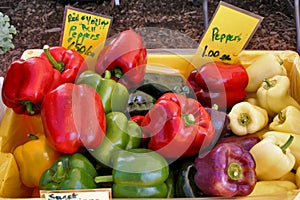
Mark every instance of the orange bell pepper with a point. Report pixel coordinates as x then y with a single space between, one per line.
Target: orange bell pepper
33 158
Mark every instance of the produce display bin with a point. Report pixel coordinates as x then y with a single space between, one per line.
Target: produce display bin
177 61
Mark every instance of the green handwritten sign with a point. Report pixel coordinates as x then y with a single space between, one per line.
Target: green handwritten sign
84 31
228 33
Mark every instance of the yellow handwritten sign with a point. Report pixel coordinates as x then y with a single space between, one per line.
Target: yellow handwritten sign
228 33
84 31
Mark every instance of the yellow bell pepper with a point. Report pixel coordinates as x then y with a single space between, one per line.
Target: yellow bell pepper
287 120
273 95
246 118
265 66
33 158
15 127
290 176
272 188
282 137
272 161
11 185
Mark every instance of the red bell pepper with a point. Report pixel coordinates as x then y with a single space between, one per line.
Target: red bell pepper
25 84
68 62
219 83
73 117
125 57
178 126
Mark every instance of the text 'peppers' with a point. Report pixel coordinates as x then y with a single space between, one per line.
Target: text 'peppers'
73 117
178 126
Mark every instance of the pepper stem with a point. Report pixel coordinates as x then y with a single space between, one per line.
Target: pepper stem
59 175
32 137
287 143
244 119
117 72
234 171
107 74
281 117
60 66
189 119
103 179
269 83
29 106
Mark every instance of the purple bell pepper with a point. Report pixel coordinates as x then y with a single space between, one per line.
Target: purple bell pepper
226 171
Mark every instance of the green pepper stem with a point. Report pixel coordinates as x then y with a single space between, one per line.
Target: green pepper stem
32 137
280 60
29 106
269 83
60 66
287 144
107 74
103 179
117 72
215 107
244 119
188 119
234 171
59 175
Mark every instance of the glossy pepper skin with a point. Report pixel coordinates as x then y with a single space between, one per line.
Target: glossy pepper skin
185 185
125 57
138 173
226 171
121 133
246 141
283 137
246 118
33 158
287 120
273 95
264 67
68 62
114 95
273 159
219 83
73 117
177 121
26 83
72 171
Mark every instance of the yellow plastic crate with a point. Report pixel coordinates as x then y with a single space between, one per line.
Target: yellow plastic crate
177 61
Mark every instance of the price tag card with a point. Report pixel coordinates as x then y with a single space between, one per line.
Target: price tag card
228 33
90 194
84 31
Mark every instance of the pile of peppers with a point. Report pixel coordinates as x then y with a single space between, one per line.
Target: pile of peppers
179 146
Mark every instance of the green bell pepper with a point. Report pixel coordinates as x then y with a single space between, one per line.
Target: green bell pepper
185 186
114 95
70 171
138 173
121 133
